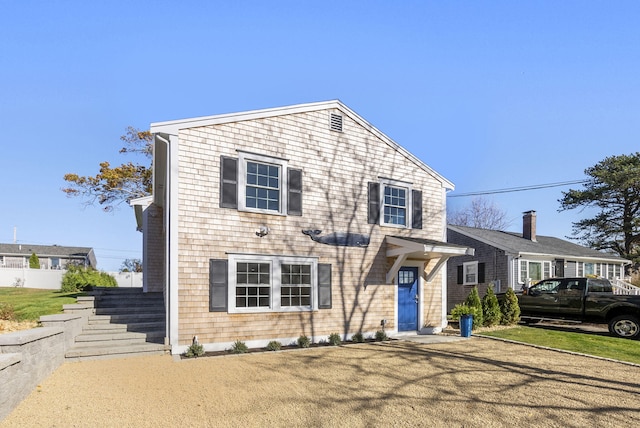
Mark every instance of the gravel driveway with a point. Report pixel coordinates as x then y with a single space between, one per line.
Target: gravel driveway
477 382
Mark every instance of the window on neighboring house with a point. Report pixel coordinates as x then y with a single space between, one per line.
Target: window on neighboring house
470 270
589 269
534 271
394 203
260 183
546 266
580 269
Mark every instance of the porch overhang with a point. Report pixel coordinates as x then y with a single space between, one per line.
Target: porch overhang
405 248
139 205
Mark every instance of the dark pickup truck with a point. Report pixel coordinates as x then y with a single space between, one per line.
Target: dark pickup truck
582 299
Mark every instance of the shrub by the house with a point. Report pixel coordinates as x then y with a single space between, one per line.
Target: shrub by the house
78 278
274 345
334 339
491 309
239 347
357 338
304 341
510 308
473 300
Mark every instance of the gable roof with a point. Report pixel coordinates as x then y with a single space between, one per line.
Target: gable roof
174 126
514 244
48 251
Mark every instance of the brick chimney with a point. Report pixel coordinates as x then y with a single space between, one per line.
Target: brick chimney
529 225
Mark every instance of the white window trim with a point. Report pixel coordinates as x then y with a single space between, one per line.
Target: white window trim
464 273
384 182
545 265
275 263
243 158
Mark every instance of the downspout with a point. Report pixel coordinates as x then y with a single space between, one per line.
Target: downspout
172 240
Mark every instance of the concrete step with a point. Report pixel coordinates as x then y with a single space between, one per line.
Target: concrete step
124 322
131 304
103 339
127 318
129 310
96 291
83 353
136 326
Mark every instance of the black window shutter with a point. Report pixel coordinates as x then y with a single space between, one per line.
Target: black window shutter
460 275
374 203
324 286
228 182
295 192
416 217
480 273
218 284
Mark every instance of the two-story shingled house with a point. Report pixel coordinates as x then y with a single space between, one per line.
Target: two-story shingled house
270 224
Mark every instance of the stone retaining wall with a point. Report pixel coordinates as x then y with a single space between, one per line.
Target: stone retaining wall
27 357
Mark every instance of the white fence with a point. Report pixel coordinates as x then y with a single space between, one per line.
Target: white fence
52 279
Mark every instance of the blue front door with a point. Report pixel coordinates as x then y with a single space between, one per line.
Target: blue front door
408 299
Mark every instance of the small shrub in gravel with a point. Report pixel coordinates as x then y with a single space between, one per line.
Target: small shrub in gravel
304 342
274 345
381 336
334 339
239 347
357 338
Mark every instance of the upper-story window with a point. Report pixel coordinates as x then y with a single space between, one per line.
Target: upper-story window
260 183
262 188
394 203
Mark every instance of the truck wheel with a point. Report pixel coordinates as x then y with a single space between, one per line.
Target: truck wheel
625 326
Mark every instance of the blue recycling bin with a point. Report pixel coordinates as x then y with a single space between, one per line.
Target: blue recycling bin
466 325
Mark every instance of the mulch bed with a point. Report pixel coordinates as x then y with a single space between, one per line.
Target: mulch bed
282 348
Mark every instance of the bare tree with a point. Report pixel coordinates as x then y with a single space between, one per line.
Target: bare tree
482 213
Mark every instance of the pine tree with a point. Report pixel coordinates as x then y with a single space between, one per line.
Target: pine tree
473 299
491 309
34 261
510 308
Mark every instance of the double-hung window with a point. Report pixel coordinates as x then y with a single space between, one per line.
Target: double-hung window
262 180
470 271
534 271
260 283
395 203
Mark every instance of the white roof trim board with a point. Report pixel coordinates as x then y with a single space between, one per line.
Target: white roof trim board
172 127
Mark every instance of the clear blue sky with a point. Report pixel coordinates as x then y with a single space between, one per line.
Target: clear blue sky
491 94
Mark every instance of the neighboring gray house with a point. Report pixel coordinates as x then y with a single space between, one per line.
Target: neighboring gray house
510 260
50 256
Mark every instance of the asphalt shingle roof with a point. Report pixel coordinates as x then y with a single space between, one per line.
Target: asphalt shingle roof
43 250
514 243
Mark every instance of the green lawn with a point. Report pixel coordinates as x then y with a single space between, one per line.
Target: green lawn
601 346
31 303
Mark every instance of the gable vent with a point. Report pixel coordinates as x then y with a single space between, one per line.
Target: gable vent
336 122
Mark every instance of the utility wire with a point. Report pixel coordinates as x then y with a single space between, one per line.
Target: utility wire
518 189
